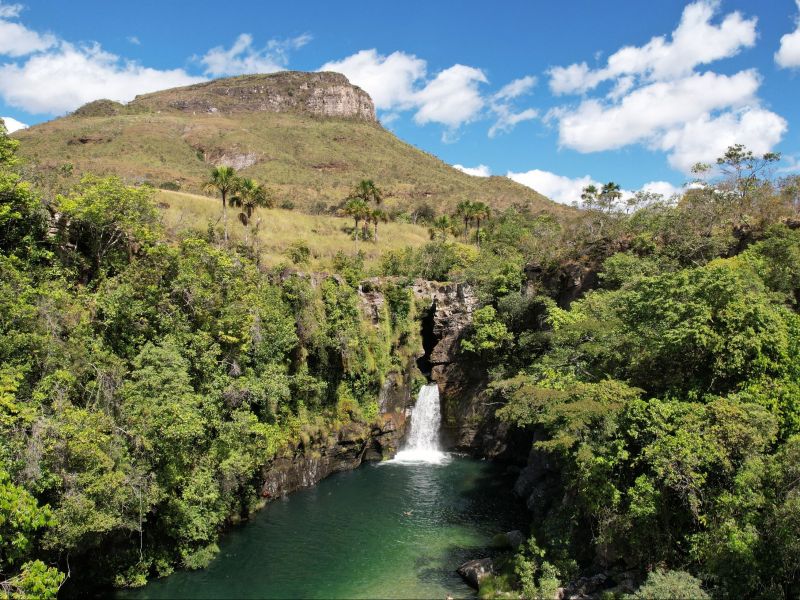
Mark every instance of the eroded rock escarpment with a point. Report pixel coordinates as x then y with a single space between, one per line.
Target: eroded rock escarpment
342 449
318 94
468 420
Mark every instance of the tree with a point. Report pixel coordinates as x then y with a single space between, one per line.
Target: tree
368 192
249 196
480 212
357 209
108 221
440 227
378 216
224 181
464 211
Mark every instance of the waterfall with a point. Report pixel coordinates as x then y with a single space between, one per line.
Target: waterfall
423 440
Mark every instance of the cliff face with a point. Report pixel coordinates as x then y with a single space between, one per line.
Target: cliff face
317 94
468 421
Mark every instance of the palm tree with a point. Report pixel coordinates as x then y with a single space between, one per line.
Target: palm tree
249 196
358 209
464 211
223 180
440 227
480 212
368 192
377 216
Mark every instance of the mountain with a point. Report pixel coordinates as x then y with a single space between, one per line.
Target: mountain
309 136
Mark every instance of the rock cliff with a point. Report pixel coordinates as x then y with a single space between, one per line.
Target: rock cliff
316 94
468 421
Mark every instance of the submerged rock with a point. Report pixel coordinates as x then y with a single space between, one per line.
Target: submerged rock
473 571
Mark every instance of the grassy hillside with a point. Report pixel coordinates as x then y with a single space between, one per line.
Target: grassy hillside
279 229
307 160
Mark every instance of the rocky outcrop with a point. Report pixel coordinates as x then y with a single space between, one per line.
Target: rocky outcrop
473 571
317 94
345 448
468 421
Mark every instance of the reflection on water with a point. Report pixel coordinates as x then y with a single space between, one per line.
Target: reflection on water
381 531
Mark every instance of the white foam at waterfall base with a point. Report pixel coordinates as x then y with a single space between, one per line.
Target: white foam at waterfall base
422 445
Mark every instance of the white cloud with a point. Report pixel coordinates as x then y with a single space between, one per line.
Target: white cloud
649 110
18 40
696 41
68 76
707 137
558 188
451 98
11 123
242 58
132 39
479 171
9 11
788 55
656 98
567 190
400 82
516 88
389 80
500 104
507 119
664 188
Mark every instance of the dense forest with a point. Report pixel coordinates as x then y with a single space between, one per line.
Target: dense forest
666 401
144 384
144 381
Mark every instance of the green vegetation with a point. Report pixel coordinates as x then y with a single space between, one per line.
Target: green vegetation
147 379
667 399
152 364
308 161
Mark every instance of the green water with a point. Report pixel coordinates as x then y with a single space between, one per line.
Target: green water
381 531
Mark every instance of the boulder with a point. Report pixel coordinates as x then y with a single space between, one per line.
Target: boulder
473 571
515 538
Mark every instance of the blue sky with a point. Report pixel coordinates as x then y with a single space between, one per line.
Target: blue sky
553 94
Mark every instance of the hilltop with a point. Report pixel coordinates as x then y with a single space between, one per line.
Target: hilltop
309 136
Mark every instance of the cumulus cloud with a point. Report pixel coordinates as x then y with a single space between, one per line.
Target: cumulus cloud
389 80
243 58
696 41
650 110
566 190
708 137
16 39
663 188
479 171
400 82
788 55
67 76
11 123
657 99
43 74
452 97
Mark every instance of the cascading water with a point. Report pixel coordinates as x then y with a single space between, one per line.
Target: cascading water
423 441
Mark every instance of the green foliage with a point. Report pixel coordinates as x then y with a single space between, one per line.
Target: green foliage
137 413
489 335
107 222
670 585
299 252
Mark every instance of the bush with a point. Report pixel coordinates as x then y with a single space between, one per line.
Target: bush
670 585
298 252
